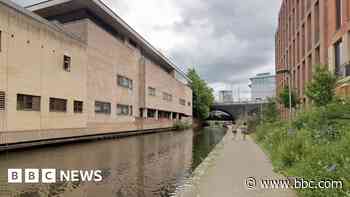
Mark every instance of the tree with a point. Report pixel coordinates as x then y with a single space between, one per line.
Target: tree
203 96
321 90
270 111
284 98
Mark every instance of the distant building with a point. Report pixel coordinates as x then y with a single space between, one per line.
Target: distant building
263 86
226 96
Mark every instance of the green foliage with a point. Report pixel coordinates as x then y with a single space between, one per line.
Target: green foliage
181 125
284 98
321 90
203 96
321 139
270 111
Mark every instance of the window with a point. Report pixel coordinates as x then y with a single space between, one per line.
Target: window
102 107
78 107
28 102
58 105
167 97
2 101
338 56
189 103
338 12
182 102
151 91
125 82
66 63
124 110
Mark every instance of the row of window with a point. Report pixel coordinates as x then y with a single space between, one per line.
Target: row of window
166 96
33 103
105 108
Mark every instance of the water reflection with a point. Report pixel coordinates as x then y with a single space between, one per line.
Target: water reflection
140 166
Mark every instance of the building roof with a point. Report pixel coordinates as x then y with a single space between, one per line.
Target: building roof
105 15
263 75
10 4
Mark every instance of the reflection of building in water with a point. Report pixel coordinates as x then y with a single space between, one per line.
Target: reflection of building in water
136 166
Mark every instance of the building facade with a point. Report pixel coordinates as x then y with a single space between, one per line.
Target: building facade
309 33
74 68
263 86
225 96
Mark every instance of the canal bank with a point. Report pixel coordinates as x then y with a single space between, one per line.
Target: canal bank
225 171
153 165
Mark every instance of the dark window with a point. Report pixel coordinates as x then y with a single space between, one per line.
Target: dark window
124 110
338 13
182 102
28 102
58 105
2 101
151 91
66 63
189 104
337 56
102 107
125 82
78 106
167 97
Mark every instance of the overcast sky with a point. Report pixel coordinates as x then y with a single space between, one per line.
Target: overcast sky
227 41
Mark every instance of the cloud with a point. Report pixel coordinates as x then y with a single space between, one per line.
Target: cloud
226 41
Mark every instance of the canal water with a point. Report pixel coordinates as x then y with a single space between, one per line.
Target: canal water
155 165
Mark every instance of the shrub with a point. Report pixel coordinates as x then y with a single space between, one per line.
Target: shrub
181 125
319 149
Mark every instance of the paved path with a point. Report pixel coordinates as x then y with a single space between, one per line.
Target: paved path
235 161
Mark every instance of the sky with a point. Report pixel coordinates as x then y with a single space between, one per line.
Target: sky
226 41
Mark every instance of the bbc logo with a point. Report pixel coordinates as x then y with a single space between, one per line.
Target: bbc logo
31 175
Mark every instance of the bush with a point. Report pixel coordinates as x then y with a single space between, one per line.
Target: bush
181 125
319 149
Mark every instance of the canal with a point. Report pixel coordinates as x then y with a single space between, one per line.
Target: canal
155 165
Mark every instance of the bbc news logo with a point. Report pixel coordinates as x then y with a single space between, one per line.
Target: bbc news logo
52 175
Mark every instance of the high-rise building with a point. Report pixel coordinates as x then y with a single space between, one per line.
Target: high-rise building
311 32
263 86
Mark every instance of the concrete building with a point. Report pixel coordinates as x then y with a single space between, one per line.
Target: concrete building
74 68
225 96
263 86
308 34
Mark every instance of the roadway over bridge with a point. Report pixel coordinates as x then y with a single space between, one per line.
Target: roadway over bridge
237 109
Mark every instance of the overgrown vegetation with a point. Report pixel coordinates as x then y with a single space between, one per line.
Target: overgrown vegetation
182 125
317 147
284 98
321 89
203 96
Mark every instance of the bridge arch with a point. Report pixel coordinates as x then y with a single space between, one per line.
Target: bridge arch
224 116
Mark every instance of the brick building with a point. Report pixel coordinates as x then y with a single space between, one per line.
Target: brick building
311 32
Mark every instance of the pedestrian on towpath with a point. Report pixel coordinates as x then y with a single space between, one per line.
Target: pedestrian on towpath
244 130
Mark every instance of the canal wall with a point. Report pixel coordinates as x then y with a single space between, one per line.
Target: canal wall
23 139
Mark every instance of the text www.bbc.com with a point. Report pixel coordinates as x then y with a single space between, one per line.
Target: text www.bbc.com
252 184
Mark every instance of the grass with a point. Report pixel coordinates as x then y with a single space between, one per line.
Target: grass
317 149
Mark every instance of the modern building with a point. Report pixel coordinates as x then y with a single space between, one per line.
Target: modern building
73 68
263 86
311 32
225 96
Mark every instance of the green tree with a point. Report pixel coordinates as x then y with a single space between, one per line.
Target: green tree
203 96
284 98
270 111
321 90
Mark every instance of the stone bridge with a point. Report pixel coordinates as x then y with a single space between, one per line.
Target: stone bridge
239 109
